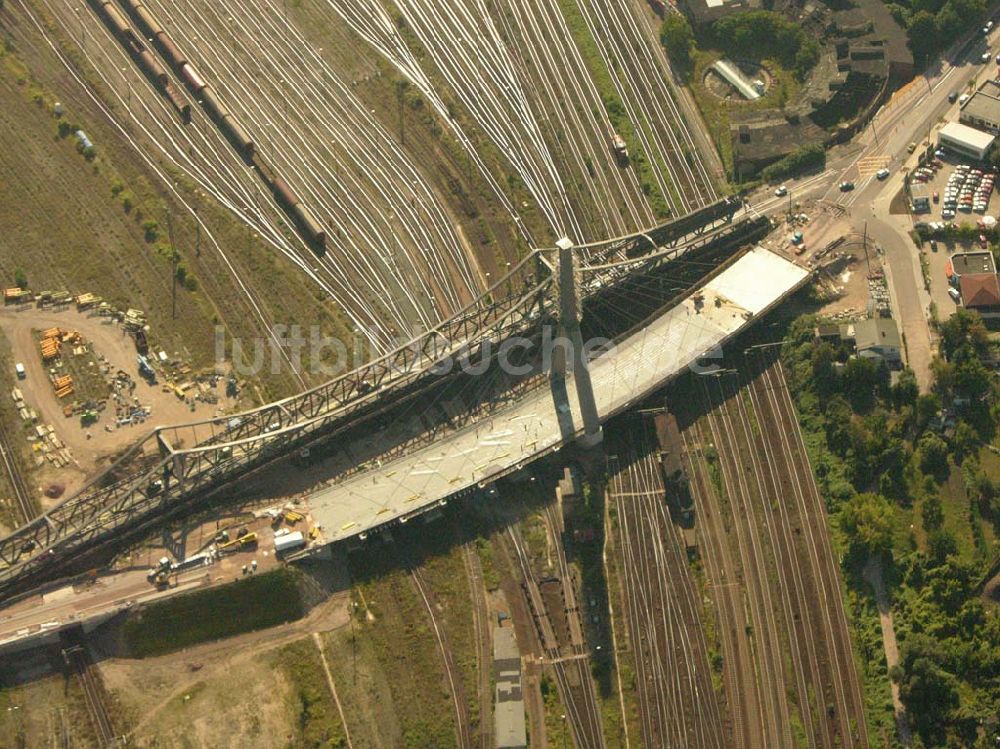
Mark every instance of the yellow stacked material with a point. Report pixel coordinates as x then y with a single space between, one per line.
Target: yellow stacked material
86 301
50 349
63 392
61 382
51 333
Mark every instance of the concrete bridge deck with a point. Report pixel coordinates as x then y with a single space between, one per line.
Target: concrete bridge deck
548 417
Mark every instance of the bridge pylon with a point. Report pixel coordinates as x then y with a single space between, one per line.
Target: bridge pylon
569 323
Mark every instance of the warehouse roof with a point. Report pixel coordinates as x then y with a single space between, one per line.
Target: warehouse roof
973 262
876 332
984 104
976 139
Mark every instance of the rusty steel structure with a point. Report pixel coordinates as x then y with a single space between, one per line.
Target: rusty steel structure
170 466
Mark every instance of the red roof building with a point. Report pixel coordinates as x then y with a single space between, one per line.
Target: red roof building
981 292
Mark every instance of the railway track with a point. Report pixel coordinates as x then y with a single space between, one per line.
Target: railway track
677 702
800 652
76 657
22 496
568 661
463 733
484 638
769 389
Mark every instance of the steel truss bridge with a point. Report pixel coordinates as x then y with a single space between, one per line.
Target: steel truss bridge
171 465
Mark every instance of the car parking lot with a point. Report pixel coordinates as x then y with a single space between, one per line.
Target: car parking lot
958 189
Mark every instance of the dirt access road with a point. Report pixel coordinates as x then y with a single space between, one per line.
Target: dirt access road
110 341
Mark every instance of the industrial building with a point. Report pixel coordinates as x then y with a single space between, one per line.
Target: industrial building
875 338
920 198
982 109
966 263
966 141
508 713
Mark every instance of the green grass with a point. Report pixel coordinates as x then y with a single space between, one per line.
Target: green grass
252 603
400 637
446 576
557 732
317 721
601 77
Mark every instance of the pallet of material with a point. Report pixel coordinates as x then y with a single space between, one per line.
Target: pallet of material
16 394
51 333
16 296
63 392
86 301
63 381
66 455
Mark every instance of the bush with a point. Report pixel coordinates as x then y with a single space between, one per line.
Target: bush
151 230
264 600
798 161
20 278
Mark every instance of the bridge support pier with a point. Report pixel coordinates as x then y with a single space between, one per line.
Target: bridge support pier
569 322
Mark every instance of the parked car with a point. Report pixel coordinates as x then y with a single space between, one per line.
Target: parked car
20 371
781 192
953 97
935 197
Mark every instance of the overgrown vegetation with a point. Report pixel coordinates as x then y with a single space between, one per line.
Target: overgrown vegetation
252 603
933 25
765 34
318 724
798 161
908 483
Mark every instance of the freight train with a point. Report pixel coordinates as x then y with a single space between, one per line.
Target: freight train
140 53
306 223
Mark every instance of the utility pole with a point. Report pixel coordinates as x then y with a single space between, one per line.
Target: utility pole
868 262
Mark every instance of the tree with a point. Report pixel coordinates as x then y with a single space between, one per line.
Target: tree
964 442
926 688
906 391
964 328
868 521
934 456
923 35
677 38
21 278
860 378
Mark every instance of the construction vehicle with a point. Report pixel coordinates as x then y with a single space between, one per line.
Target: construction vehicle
249 539
293 517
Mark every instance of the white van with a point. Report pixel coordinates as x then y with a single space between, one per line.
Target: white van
19 369
953 293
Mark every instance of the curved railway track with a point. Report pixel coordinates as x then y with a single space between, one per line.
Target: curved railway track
462 733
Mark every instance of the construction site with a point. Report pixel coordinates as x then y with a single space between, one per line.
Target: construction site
424 375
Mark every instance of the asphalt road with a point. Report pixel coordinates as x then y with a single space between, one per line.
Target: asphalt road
910 116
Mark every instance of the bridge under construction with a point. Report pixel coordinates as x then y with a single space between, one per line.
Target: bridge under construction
709 290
